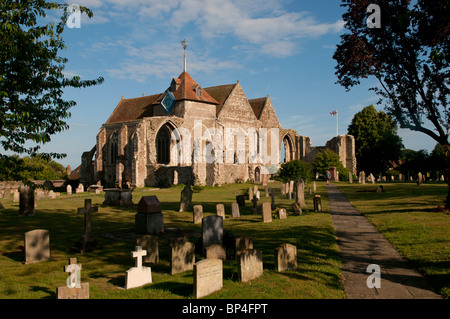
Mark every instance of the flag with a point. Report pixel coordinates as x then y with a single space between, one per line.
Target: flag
333 113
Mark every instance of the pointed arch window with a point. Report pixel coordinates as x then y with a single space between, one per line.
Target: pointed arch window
114 148
163 145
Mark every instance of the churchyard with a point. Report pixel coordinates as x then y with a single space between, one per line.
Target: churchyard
287 255
108 257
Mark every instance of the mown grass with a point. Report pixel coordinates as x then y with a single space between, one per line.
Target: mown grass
406 215
318 274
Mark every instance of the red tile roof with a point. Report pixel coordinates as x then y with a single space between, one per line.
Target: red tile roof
258 105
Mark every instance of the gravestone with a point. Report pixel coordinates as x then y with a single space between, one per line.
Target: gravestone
40 194
283 189
181 255
87 241
350 177
362 177
372 178
297 208
220 210
235 210
314 187
198 214
250 194
7 194
69 189
149 219
255 205
291 189
216 251
150 244
250 265
212 230
300 192
282 213
51 194
79 189
16 196
186 199
74 288
243 244
240 199
258 195
139 275
118 196
273 206
26 201
266 191
317 204
255 189
266 212
37 246
208 277
419 179
286 257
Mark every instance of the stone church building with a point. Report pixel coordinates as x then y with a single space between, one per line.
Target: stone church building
190 134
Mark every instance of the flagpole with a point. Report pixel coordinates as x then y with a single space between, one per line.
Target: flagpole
337 116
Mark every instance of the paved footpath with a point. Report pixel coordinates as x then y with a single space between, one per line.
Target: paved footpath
361 245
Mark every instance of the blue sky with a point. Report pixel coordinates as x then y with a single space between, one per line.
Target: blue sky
279 48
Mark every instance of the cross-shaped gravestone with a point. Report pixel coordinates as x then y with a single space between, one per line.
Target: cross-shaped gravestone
74 288
87 210
138 254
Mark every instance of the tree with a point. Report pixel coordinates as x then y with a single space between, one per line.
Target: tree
31 76
408 55
294 170
326 159
377 145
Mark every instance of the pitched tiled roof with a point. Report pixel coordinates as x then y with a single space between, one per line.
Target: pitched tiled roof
220 94
258 105
187 90
133 109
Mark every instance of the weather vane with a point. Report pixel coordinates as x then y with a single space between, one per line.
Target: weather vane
185 45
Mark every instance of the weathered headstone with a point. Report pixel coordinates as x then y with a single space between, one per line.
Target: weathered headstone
74 288
300 191
282 213
286 257
273 206
197 214
266 212
51 195
317 204
372 178
208 277
37 246
291 189
243 244
314 187
216 251
250 194
283 189
255 205
250 265
212 230
240 199
149 219
266 191
186 199
79 189
16 196
182 255
258 195
26 201
139 275
69 189
297 208
150 244
350 177
235 210
220 210
419 178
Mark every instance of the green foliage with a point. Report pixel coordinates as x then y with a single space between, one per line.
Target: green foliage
377 145
295 169
326 159
434 163
30 168
32 81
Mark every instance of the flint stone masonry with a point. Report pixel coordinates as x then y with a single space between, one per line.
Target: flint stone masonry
208 277
286 257
182 255
250 265
37 246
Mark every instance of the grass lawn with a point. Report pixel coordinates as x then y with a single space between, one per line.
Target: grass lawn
318 274
405 214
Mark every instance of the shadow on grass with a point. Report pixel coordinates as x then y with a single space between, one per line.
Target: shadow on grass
50 294
176 288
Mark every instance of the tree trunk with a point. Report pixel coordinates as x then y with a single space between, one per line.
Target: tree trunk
447 174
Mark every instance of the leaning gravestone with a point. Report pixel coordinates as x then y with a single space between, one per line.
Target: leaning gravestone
250 265
181 255
212 230
297 208
235 210
186 199
208 277
26 201
266 212
37 246
220 210
198 214
149 219
150 244
74 289
286 257
139 275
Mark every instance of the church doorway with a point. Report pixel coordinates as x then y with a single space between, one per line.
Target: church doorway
287 149
257 175
162 143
